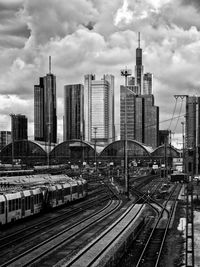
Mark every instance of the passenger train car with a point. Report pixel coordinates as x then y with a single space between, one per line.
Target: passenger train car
18 203
179 177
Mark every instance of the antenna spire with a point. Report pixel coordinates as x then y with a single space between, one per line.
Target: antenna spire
139 39
49 64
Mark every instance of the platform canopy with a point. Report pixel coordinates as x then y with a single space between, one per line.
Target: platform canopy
168 151
23 152
135 150
72 151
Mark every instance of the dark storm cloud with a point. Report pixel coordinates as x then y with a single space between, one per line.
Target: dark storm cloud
16 30
90 25
11 41
195 3
10 5
13 29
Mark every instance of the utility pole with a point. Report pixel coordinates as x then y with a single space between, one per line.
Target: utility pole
183 130
125 72
12 137
189 257
95 147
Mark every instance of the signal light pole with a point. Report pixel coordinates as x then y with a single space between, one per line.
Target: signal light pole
126 72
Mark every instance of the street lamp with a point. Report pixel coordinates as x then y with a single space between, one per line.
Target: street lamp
125 72
183 170
95 148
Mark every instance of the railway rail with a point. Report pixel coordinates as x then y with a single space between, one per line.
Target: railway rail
24 233
153 248
36 252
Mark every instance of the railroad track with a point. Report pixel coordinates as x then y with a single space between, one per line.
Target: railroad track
153 248
63 237
95 252
45 225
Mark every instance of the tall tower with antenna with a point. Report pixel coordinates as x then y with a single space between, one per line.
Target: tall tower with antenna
139 68
45 117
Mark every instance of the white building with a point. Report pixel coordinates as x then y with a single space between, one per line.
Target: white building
99 109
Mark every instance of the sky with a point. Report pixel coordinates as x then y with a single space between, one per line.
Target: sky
100 37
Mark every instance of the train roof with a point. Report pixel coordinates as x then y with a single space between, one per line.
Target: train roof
37 180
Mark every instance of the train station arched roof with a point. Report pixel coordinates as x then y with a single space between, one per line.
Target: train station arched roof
134 150
72 150
24 151
169 150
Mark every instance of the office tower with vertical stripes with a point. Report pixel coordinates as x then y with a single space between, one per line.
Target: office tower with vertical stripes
139 68
45 117
73 121
5 138
142 114
19 127
148 84
99 109
192 134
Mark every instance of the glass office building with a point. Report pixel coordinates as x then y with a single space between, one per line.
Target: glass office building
19 127
148 84
99 109
73 112
5 138
127 95
45 118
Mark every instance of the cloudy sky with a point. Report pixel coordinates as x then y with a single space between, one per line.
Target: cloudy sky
100 37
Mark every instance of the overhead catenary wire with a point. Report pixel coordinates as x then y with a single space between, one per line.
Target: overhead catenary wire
179 115
173 114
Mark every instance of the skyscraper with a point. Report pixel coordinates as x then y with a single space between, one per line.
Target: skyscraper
139 68
19 127
5 138
142 117
148 84
45 118
192 135
99 109
151 121
142 114
73 112
127 95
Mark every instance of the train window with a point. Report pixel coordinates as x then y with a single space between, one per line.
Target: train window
17 204
29 202
9 205
60 194
26 203
74 189
67 191
14 204
2 207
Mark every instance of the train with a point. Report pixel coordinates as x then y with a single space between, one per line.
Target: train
179 177
18 201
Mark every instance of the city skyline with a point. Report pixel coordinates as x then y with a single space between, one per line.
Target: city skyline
97 37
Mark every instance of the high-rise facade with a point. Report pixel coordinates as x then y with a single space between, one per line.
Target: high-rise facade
73 121
142 117
45 118
99 109
139 68
139 120
151 121
148 84
127 95
142 114
5 138
19 127
192 135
